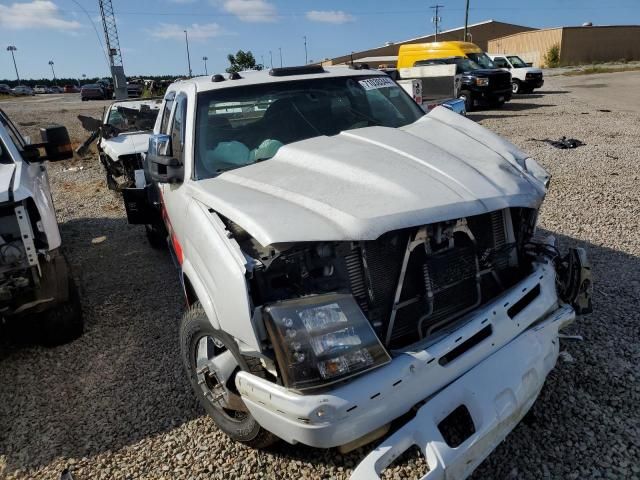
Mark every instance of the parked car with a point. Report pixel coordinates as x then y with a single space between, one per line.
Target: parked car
524 78
134 90
92 91
40 89
123 140
348 259
34 275
482 82
56 89
71 89
5 89
22 90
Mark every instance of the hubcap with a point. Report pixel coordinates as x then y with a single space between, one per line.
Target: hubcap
215 369
514 87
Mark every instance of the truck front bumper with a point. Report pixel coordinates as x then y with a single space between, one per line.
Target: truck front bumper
348 412
497 394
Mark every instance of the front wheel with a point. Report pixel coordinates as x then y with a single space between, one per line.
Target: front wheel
63 323
516 87
156 235
211 360
468 101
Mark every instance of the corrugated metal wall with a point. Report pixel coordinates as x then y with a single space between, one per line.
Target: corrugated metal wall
531 46
582 45
578 45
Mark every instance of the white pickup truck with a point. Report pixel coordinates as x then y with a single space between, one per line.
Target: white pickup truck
348 260
524 78
35 284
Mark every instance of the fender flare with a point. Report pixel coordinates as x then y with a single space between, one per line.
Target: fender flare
190 275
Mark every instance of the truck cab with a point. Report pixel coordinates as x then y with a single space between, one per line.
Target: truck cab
524 78
35 282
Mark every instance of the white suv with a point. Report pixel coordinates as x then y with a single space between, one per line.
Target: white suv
347 260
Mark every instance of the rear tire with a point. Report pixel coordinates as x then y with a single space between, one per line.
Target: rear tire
63 323
238 425
157 236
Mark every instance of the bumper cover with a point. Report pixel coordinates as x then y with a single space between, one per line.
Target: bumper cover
498 393
356 408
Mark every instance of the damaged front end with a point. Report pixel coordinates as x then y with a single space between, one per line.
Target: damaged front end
358 334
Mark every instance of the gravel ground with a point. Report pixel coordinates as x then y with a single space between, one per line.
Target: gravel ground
115 404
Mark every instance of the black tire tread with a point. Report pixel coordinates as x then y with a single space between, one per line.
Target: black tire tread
195 320
63 323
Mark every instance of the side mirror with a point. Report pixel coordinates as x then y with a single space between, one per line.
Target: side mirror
56 144
163 167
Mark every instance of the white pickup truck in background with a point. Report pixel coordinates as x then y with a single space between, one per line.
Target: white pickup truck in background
524 78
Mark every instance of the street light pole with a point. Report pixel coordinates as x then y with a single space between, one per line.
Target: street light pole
271 57
206 72
306 58
280 48
466 22
12 49
186 39
54 72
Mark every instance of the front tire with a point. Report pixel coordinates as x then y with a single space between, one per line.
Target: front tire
156 235
516 87
200 343
63 323
468 101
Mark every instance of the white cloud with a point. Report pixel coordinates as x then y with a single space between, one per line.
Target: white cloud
196 31
330 16
35 14
250 10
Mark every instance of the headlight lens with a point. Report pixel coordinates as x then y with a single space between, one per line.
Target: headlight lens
322 339
482 82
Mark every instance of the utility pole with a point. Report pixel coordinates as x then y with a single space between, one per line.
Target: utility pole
54 72
306 60
113 48
466 22
271 58
262 61
186 39
12 49
437 18
280 48
206 72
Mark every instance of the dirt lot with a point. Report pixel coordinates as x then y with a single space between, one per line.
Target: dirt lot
115 403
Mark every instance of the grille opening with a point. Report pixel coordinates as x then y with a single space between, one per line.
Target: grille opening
466 345
457 427
411 464
524 301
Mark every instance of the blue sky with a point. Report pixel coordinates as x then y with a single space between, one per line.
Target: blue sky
152 39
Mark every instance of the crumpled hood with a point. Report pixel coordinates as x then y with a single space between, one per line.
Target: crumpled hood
125 144
6 178
362 183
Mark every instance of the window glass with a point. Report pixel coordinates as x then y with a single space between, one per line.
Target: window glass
517 62
501 62
178 128
13 132
482 59
239 126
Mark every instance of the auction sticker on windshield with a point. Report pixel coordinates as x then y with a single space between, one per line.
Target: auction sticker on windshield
376 83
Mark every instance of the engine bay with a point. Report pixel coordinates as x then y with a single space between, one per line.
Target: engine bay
409 283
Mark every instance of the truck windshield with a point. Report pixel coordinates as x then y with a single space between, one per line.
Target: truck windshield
134 116
239 126
517 62
482 59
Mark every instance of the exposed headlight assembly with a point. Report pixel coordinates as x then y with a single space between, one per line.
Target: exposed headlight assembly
322 339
